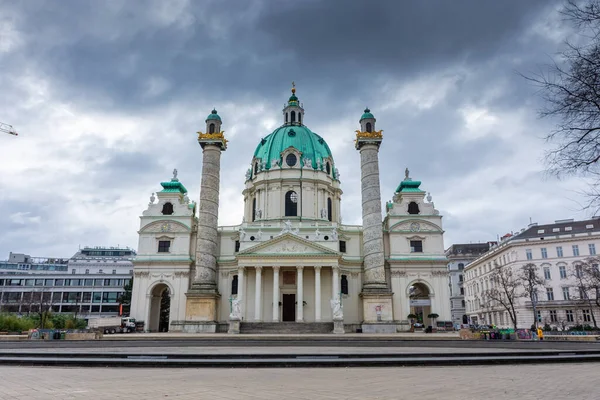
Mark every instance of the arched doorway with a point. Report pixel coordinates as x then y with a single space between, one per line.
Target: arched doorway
160 307
420 303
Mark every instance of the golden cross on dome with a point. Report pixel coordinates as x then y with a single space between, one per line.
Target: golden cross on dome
293 87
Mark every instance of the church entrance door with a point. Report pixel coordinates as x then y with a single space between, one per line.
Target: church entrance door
289 307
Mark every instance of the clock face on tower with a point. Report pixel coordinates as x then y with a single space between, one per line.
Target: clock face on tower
415 227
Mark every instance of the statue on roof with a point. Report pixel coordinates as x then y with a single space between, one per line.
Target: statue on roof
175 174
406 173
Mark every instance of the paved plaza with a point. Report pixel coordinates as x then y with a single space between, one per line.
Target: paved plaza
556 381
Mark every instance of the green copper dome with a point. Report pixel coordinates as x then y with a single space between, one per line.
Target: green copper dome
213 115
301 138
367 114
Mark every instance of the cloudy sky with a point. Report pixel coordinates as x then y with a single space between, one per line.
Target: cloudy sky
107 97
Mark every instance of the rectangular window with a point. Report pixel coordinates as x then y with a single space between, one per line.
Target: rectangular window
98 282
575 250
39 282
49 282
462 291
96 297
342 246
553 316
344 284
234 285
544 252
87 271
95 309
582 293
87 297
566 294
578 271
529 254
88 282
587 316
547 273
563 271
592 248
237 246
164 246
569 314
460 278
110 297
559 252
114 271
28 282
416 246
73 271
550 293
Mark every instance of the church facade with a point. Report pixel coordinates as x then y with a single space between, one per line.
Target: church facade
290 260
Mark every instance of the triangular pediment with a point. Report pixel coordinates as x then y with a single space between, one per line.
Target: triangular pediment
288 245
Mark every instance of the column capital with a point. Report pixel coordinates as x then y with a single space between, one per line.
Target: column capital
300 267
276 268
258 268
336 268
241 269
318 268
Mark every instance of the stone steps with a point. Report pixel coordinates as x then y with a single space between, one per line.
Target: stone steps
286 327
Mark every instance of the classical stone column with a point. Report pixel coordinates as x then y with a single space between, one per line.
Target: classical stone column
371 214
335 282
202 297
208 213
258 295
300 294
376 295
318 294
241 293
275 294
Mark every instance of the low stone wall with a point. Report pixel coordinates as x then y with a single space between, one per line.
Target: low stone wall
573 338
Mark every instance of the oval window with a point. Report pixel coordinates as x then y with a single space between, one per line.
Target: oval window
291 160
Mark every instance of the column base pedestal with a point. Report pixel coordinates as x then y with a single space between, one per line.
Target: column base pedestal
377 307
201 311
234 326
338 327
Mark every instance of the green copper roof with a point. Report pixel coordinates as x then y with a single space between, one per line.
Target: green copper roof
301 138
174 186
213 115
408 185
367 114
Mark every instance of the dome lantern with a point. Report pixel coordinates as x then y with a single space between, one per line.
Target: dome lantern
367 121
293 113
213 122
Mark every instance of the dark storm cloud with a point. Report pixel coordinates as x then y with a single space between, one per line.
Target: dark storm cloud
93 47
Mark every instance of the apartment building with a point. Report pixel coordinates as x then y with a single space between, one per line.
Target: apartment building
556 249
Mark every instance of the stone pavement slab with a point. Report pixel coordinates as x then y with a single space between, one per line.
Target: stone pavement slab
523 382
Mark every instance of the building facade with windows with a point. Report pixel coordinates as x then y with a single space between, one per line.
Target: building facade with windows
556 249
290 260
89 284
459 256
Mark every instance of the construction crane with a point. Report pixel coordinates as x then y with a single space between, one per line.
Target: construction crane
6 128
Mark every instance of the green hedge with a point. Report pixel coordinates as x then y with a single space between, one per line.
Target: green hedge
14 323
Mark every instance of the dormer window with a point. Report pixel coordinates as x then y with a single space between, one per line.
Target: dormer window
167 209
413 208
211 128
369 127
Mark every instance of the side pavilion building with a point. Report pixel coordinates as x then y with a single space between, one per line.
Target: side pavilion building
290 259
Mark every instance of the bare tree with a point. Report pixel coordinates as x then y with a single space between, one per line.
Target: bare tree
504 291
41 304
531 282
571 90
587 277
